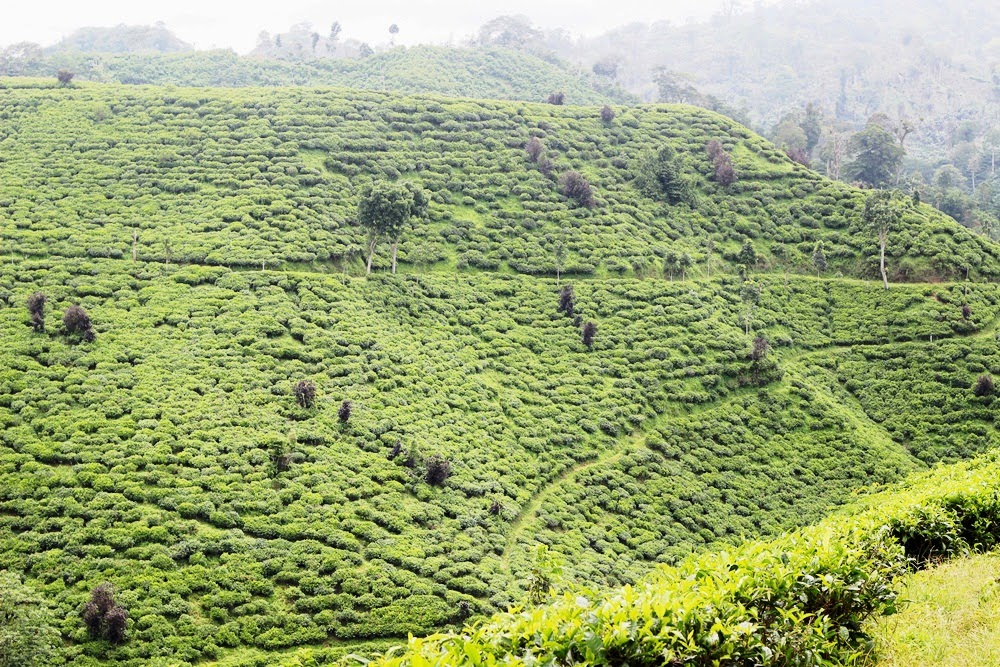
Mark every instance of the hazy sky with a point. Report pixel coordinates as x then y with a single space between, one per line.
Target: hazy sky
236 23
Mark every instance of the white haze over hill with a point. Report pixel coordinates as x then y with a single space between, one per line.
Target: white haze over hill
236 23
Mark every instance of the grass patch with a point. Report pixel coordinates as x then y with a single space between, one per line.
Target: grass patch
952 618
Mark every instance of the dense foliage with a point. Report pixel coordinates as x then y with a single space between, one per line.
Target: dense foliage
262 452
492 73
172 458
800 600
234 178
28 636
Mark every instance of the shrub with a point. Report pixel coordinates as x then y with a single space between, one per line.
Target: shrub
760 349
77 321
714 149
983 386
534 149
344 413
116 623
575 186
438 470
567 300
966 312
65 77
103 616
589 331
607 114
748 255
557 98
305 393
724 174
36 309
546 166
798 155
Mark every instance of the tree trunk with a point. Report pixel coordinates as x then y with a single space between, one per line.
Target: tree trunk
371 254
135 244
395 245
885 279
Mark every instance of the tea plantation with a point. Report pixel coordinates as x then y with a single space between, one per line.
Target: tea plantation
488 73
272 458
253 177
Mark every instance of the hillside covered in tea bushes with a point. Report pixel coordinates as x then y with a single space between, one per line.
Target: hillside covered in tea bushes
246 177
488 73
271 456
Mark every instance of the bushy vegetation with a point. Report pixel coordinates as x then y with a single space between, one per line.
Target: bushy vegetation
263 450
241 179
803 599
481 73
227 514
28 635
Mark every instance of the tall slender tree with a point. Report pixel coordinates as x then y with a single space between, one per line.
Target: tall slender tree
883 212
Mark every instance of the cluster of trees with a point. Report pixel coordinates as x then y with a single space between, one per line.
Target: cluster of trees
76 321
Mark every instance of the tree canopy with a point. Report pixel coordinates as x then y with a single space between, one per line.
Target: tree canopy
386 209
660 175
877 156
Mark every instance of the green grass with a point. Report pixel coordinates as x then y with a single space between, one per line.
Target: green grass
950 617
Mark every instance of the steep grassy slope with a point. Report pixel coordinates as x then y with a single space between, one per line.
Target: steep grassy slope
245 177
460 72
169 456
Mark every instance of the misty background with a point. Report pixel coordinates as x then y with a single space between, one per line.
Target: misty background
234 24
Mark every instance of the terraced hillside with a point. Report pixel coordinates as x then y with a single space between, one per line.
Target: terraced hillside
250 177
171 457
487 73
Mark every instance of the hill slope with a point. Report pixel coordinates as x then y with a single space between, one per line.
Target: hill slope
273 178
169 456
459 72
